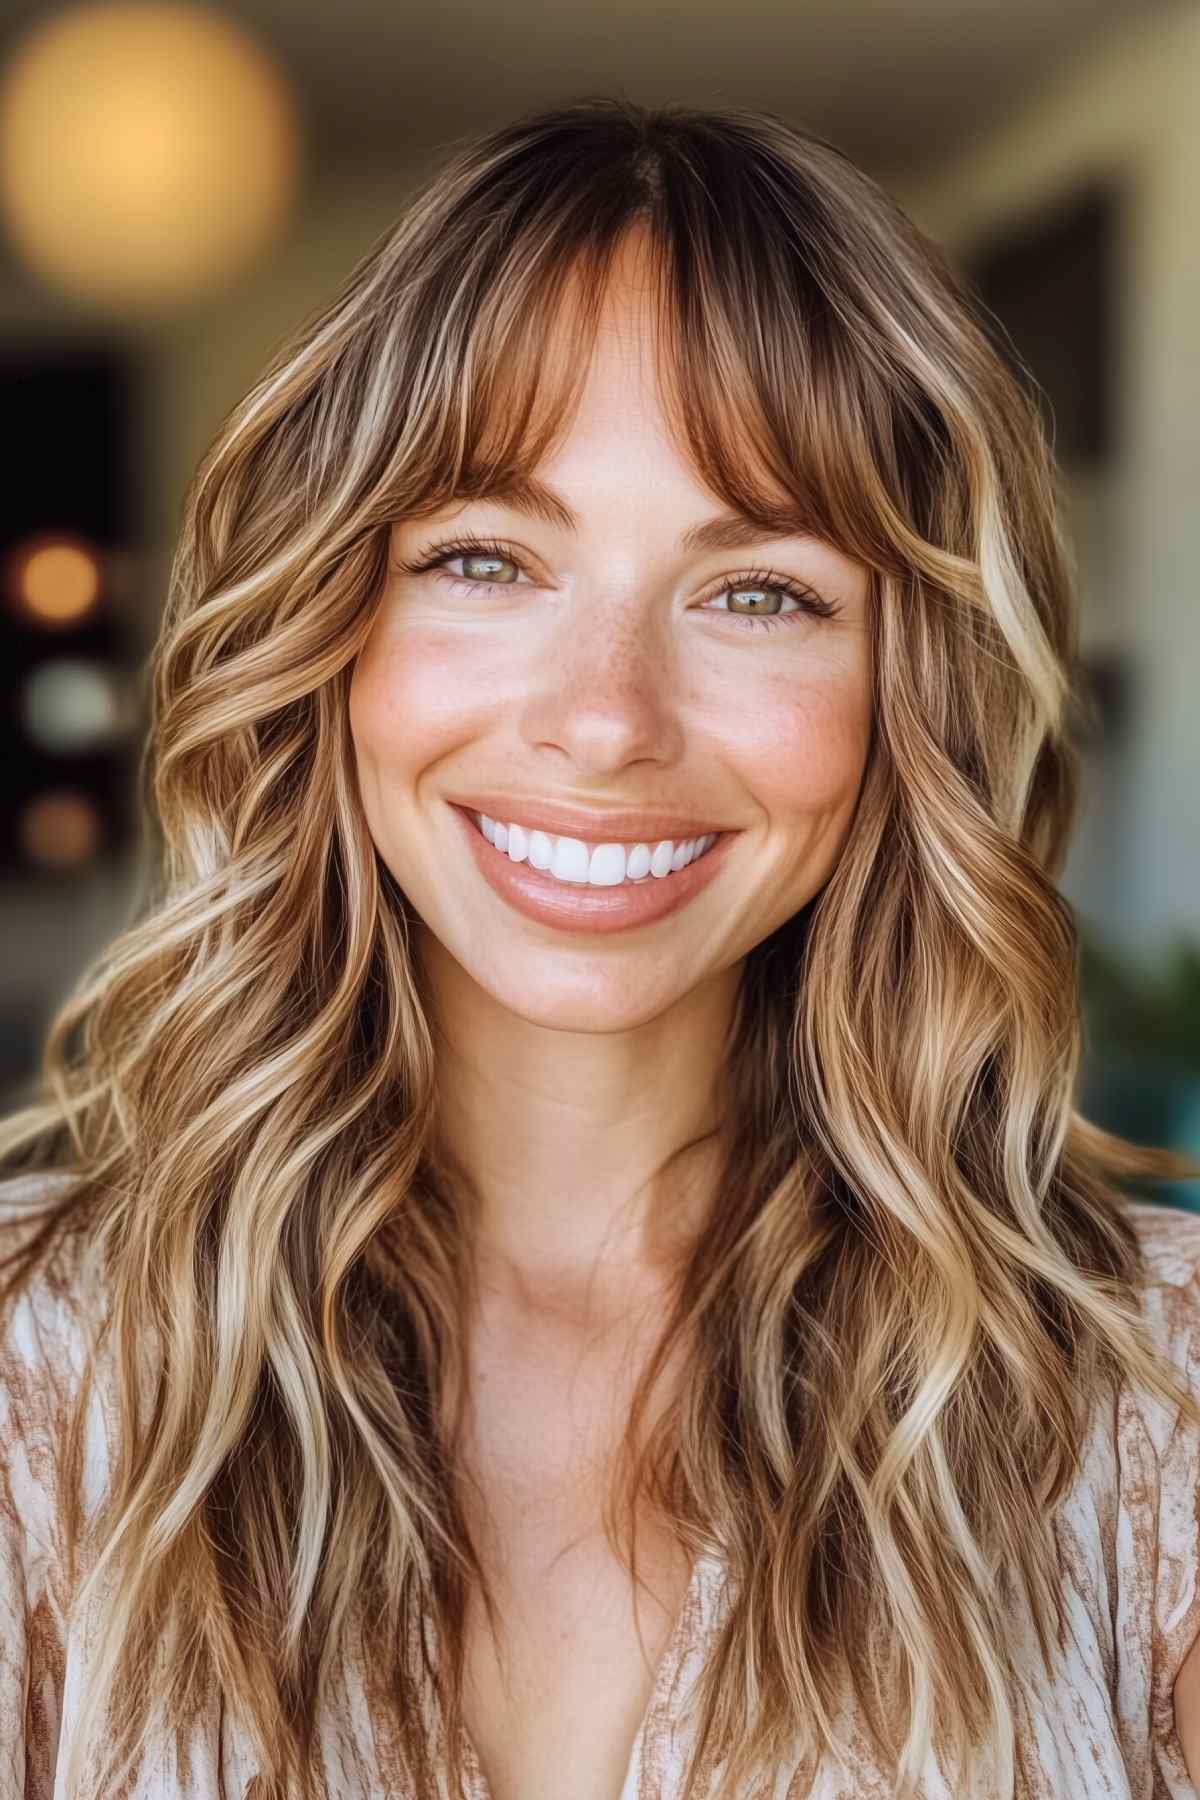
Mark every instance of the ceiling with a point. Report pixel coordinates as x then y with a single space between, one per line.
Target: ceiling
895 84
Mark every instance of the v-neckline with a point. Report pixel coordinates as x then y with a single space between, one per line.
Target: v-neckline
670 1664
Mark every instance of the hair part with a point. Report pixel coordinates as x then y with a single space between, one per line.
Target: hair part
920 1274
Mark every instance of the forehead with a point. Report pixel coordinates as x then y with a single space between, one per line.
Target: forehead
610 381
605 336
630 346
626 371
618 438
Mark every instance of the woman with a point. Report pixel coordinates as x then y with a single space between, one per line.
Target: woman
606 1290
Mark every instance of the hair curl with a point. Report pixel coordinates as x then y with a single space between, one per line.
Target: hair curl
920 1274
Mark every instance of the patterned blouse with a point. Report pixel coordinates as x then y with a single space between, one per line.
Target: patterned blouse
1129 1534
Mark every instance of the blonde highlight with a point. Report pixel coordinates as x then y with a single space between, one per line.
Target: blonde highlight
920 1277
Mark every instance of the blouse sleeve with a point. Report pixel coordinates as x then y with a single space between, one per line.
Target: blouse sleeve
32 1639
1161 1468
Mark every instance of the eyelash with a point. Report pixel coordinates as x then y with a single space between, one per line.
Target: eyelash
810 604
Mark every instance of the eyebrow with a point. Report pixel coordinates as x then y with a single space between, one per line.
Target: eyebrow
727 531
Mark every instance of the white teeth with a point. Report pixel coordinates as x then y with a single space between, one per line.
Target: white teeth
605 865
571 861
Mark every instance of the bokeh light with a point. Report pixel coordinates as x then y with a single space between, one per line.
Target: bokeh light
72 707
55 581
147 152
60 828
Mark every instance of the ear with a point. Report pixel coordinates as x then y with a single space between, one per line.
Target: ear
1187 1711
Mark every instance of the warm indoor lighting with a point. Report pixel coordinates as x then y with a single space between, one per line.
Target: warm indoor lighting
147 151
60 829
54 581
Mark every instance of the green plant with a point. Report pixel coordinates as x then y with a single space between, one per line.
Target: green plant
1131 1010
1141 1061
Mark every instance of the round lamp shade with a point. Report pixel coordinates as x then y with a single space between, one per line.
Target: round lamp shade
147 152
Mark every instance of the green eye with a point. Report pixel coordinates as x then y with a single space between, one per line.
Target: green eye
488 564
809 605
482 565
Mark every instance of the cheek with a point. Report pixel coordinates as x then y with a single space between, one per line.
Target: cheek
411 701
801 748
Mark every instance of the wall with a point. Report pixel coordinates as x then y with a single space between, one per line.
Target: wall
1128 108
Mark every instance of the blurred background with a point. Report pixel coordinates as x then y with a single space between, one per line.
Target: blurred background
181 184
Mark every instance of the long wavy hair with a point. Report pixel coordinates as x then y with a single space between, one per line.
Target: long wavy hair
920 1275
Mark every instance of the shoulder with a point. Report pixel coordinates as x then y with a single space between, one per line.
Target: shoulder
1169 1294
42 1355
1169 1304
39 1368
1170 1240
1160 1495
41 1319
44 1345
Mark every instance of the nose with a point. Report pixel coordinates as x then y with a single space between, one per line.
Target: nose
606 694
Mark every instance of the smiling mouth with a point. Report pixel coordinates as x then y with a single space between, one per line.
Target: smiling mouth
569 862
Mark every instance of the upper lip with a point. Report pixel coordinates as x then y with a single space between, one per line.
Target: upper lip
563 820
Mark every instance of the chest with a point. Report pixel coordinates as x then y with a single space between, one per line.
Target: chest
555 1705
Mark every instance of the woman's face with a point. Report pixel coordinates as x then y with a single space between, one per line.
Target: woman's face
610 666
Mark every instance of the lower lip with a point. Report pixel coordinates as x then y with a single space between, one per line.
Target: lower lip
579 907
